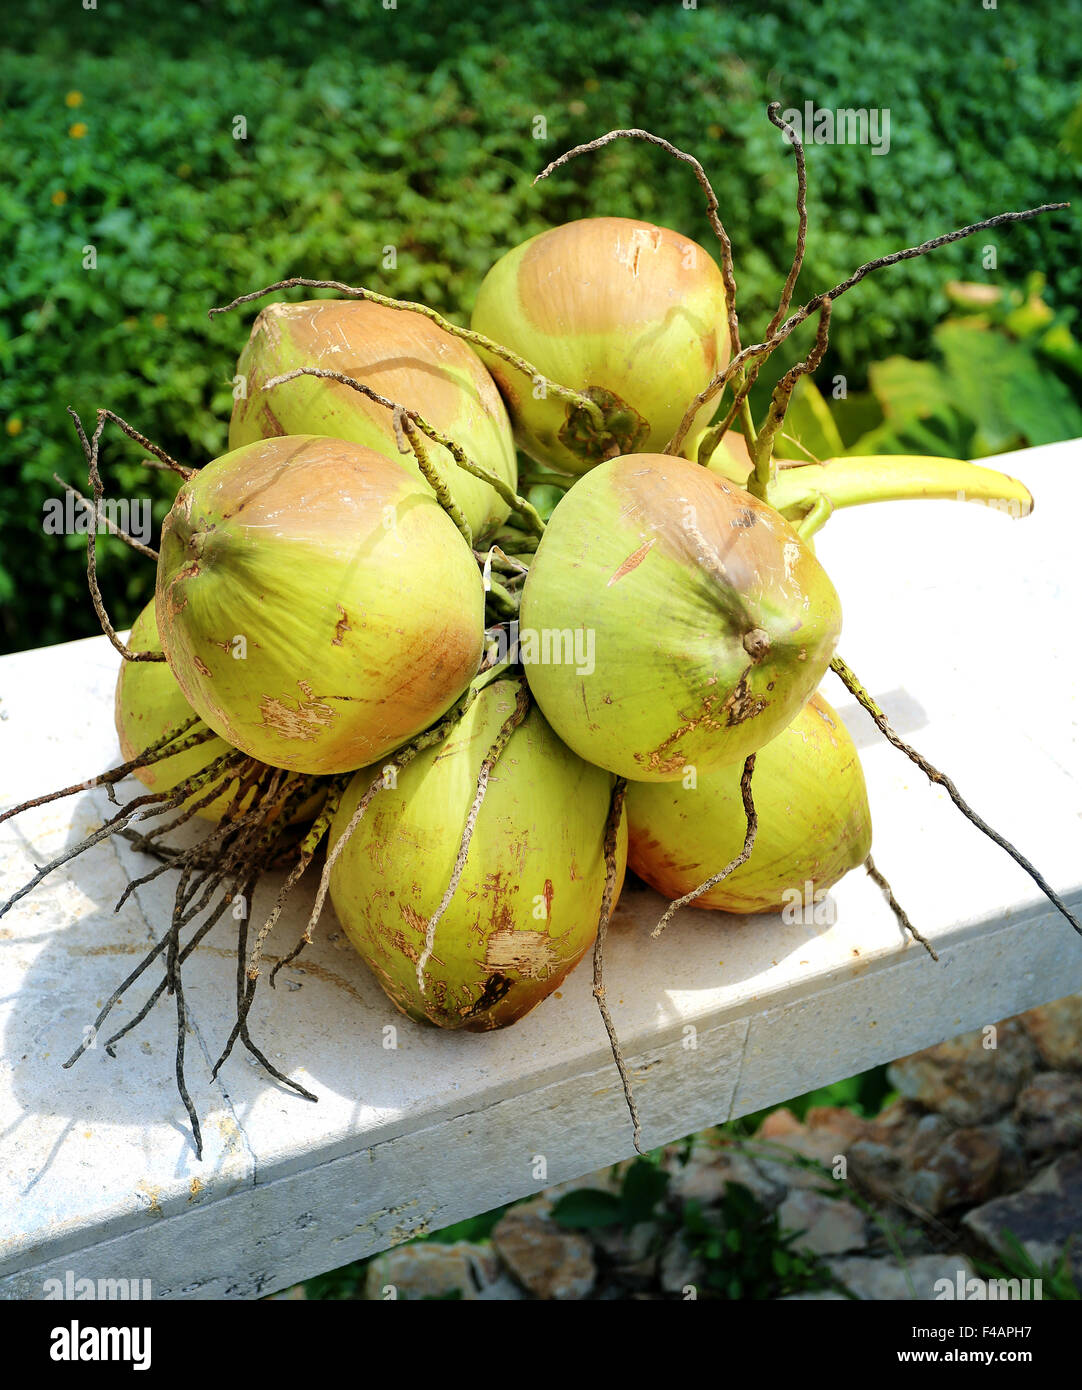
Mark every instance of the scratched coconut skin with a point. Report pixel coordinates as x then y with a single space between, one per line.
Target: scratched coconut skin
675 571
526 908
406 358
814 820
361 605
612 303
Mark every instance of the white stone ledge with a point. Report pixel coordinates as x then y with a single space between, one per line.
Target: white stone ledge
963 623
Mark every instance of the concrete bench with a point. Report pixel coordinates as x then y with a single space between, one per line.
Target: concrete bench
963 623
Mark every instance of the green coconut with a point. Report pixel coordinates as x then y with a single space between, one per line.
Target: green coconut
527 905
148 703
317 608
671 620
406 358
630 314
814 821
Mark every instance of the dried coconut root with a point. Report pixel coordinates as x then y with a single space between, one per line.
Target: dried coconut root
865 700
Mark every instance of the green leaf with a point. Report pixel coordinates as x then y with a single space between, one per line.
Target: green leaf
908 390
809 421
998 383
586 1209
645 1185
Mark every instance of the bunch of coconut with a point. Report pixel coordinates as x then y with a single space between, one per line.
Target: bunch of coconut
492 613
361 563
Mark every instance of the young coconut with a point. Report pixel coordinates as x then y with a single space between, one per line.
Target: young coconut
671 620
526 907
317 608
814 821
148 703
632 315
404 357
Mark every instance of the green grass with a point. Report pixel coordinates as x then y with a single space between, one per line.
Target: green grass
369 128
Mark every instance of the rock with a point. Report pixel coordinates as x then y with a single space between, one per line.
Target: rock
1044 1215
679 1268
844 1123
1049 1112
962 1167
830 1226
966 1081
1056 1029
924 1139
632 1253
876 1167
434 1271
1013 1169
778 1123
896 1123
885 1279
548 1262
710 1168
813 1156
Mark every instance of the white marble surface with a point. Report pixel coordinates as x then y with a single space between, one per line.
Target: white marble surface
962 622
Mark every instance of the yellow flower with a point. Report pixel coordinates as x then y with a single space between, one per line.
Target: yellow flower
592 84
78 130
159 320
73 99
59 198
184 171
130 323
14 426
714 131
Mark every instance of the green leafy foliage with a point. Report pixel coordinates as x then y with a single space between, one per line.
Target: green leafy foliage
1058 1283
746 1253
590 1208
418 129
1005 375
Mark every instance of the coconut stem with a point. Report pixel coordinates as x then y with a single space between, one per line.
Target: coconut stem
401 414
818 514
164 459
802 215
156 752
712 207
762 448
734 864
433 476
853 481
468 335
853 685
103 520
398 760
612 830
165 800
759 352
90 449
492 757
896 907
746 380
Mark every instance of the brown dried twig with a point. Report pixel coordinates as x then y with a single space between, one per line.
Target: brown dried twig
712 207
401 416
492 757
896 907
758 352
103 520
90 448
612 830
742 858
551 388
865 700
